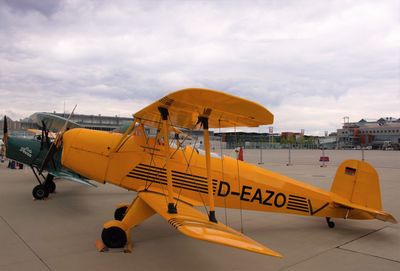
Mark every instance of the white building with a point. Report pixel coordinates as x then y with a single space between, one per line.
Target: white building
369 133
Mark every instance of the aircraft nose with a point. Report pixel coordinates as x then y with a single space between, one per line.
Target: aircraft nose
86 152
68 138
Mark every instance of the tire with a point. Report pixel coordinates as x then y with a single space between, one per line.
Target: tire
120 212
114 237
49 183
40 192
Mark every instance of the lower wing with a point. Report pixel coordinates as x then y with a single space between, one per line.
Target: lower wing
194 224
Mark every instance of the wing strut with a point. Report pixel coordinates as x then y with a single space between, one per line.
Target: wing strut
204 121
164 116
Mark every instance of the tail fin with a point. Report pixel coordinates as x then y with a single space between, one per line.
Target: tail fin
357 185
358 182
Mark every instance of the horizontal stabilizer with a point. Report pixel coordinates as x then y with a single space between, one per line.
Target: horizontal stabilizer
377 214
194 224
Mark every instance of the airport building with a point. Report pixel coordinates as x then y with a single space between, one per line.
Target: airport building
381 134
97 122
94 122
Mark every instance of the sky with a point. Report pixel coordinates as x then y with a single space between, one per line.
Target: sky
310 63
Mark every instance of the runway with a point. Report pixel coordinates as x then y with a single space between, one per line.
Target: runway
60 233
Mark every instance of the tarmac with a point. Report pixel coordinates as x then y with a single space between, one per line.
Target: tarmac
60 233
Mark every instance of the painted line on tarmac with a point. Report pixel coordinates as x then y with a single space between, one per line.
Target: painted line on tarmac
26 244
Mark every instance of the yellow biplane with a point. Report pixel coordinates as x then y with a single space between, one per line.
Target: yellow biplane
172 180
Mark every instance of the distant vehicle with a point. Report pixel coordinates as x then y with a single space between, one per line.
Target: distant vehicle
390 146
348 148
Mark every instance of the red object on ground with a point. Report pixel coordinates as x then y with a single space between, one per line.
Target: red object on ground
240 154
324 159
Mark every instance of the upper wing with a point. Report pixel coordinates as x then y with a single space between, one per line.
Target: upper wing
223 110
70 176
52 122
194 224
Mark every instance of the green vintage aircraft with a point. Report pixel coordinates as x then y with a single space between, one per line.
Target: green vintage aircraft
33 152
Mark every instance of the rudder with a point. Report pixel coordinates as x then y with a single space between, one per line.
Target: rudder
358 182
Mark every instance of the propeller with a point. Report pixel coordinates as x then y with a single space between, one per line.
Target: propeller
5 131
56 144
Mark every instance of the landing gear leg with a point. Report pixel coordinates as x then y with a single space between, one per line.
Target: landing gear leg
41 191
116 233
49 183
120 212
330 223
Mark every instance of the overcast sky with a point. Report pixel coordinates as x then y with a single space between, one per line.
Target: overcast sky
309 62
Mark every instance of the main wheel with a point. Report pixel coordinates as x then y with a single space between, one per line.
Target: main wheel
49 183
114 237
120 212
40 192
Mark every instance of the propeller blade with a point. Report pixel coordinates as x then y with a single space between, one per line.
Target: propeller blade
57 141
56 144
5 131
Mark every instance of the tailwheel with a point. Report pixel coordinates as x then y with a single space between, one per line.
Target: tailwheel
49 183
114 237
40 192
331 224
120 212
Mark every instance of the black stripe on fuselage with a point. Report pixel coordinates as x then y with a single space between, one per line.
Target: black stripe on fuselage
297 209
163 179
298 203
186 176
174 184
179 180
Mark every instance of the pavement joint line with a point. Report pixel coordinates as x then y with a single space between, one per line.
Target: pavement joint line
337 247
362 236
25 243
306 259
367 254
363 253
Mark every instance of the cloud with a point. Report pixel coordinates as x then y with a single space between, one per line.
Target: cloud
45 7
309 62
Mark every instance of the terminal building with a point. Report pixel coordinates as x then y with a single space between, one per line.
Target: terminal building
98 122
94 122
381 134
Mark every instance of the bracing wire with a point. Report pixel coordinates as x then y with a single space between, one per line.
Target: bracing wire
152 162
152 152
222 169
190 159
238 176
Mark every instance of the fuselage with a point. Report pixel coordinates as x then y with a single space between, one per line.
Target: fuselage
140 165
28 151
